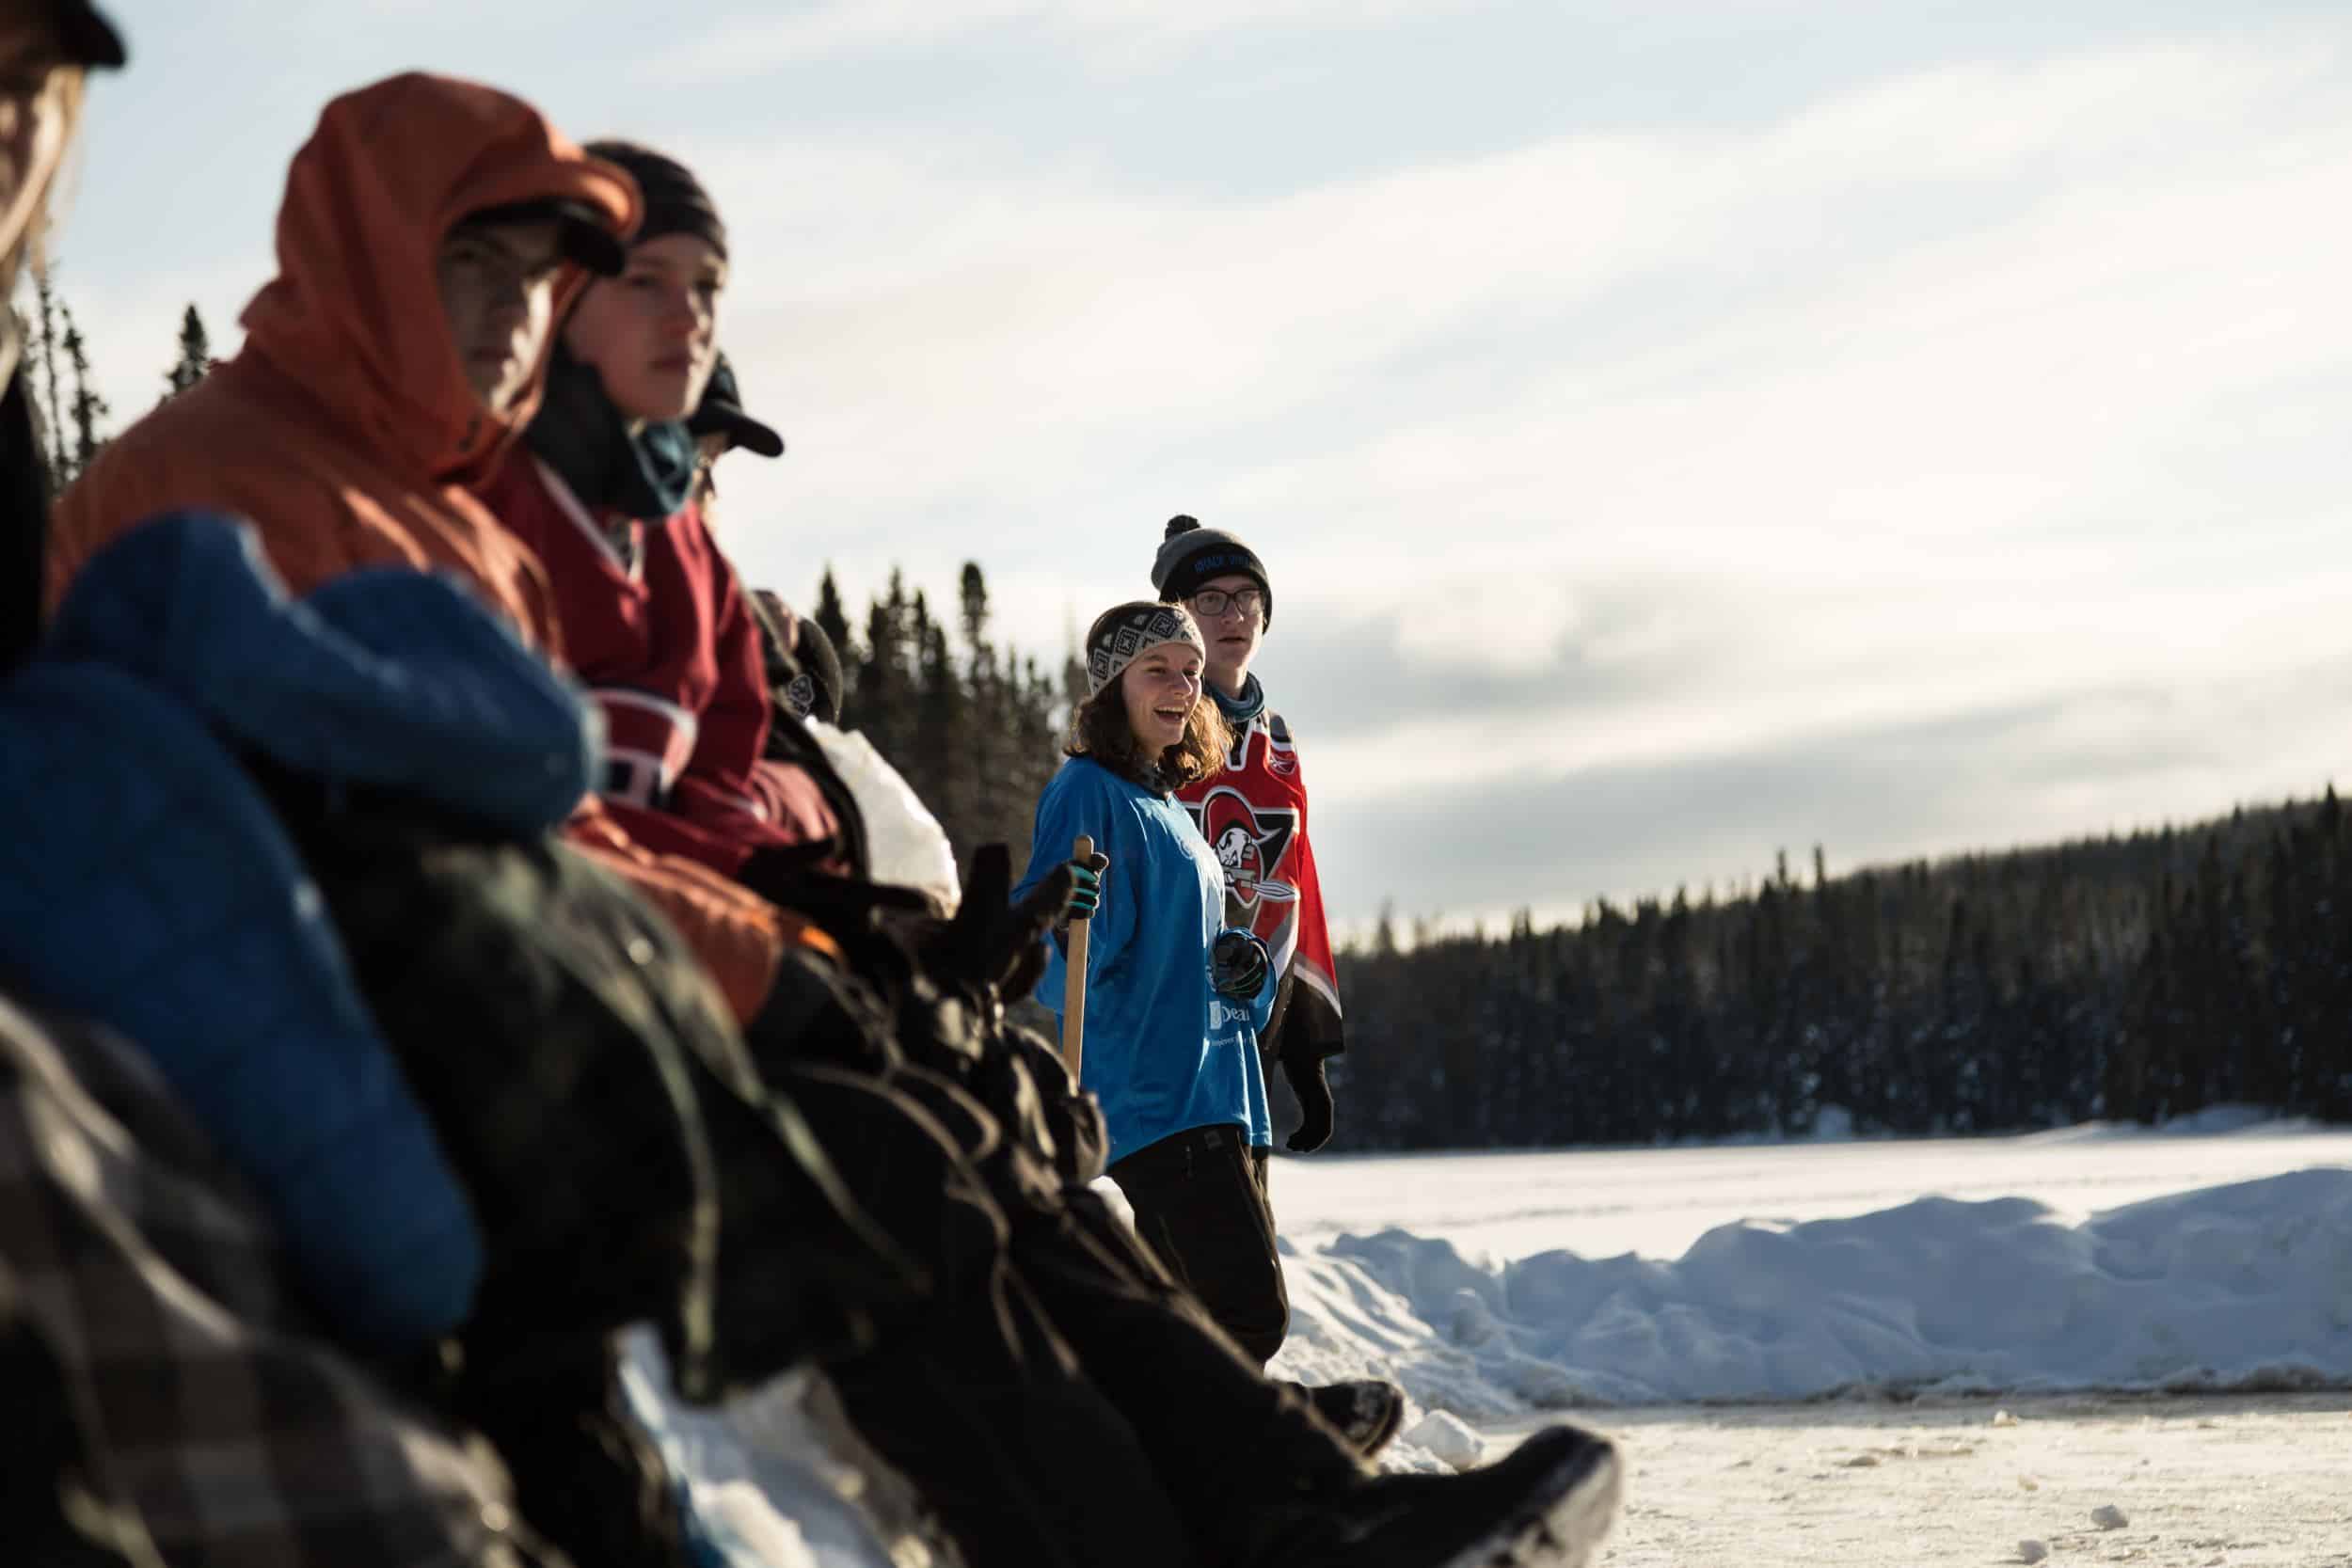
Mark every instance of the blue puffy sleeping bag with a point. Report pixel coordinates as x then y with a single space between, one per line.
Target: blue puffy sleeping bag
146 885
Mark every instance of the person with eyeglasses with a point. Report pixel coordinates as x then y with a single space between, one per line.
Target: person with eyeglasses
1253 814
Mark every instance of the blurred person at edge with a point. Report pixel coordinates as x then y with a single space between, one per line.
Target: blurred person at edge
46 1503
46 46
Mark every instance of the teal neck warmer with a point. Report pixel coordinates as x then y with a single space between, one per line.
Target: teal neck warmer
1240 710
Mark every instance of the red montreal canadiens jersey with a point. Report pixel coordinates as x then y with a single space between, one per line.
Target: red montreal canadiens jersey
1254 816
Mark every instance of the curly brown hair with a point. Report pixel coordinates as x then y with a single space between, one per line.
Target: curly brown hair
1098 729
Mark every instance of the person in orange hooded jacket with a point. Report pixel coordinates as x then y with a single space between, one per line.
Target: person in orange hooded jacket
348 432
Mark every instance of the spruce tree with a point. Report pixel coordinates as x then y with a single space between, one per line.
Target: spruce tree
196 357
87 407
885 676
939 742
972 591
834 618
988 724
41 381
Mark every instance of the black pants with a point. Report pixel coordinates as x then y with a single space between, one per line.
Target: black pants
1062 1401
1200 1198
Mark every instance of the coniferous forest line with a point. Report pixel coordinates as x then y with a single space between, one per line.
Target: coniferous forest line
2131 978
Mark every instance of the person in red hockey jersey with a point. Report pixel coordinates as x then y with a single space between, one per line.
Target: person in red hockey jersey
1254 812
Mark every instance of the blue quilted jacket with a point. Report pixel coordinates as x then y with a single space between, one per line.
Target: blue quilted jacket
145 884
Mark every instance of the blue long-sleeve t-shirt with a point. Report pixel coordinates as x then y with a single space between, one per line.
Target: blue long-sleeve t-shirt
1164 1051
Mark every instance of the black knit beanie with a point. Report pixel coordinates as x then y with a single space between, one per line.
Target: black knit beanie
1190 555
675 202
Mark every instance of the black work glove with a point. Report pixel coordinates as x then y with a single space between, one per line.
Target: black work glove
1086 888
994 945
1237 965
1304 1071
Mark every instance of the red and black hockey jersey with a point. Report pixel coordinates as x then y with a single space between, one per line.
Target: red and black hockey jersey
1254 816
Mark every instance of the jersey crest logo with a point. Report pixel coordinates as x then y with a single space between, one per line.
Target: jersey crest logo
1249 845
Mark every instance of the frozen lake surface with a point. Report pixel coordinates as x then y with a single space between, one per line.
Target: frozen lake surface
1657 1201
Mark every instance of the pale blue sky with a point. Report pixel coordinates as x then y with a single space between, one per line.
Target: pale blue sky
1675 430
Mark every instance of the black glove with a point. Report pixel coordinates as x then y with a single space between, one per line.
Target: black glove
990 944
1086 888
1305 1072
1237 965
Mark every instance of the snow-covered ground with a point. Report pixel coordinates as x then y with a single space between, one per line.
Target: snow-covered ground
1632 1284
2161 1481
1657 1201
2089 1258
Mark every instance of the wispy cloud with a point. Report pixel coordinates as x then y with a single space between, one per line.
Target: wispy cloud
1793 350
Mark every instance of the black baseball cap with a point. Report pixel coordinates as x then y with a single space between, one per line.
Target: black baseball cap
85 36
721 413
580 230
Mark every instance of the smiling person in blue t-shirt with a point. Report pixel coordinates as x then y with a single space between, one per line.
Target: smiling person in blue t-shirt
1174 998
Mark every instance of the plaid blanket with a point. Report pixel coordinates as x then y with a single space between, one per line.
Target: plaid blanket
210 1405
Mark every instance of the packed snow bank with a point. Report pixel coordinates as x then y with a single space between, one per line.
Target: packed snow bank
2234 1286
773 1481
1658 1202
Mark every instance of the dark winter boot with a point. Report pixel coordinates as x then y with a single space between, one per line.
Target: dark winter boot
1365 1411
1550 1504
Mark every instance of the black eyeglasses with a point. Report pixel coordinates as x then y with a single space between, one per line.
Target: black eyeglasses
1214 602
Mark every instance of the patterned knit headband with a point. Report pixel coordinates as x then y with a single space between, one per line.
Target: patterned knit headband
1117 645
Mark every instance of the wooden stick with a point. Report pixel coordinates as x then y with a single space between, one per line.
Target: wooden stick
1074 987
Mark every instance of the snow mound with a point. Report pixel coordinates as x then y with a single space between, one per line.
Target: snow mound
1831 1124
2244 1285
773 1480
1448 1437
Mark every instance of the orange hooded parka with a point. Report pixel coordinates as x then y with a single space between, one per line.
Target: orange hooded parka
346 430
